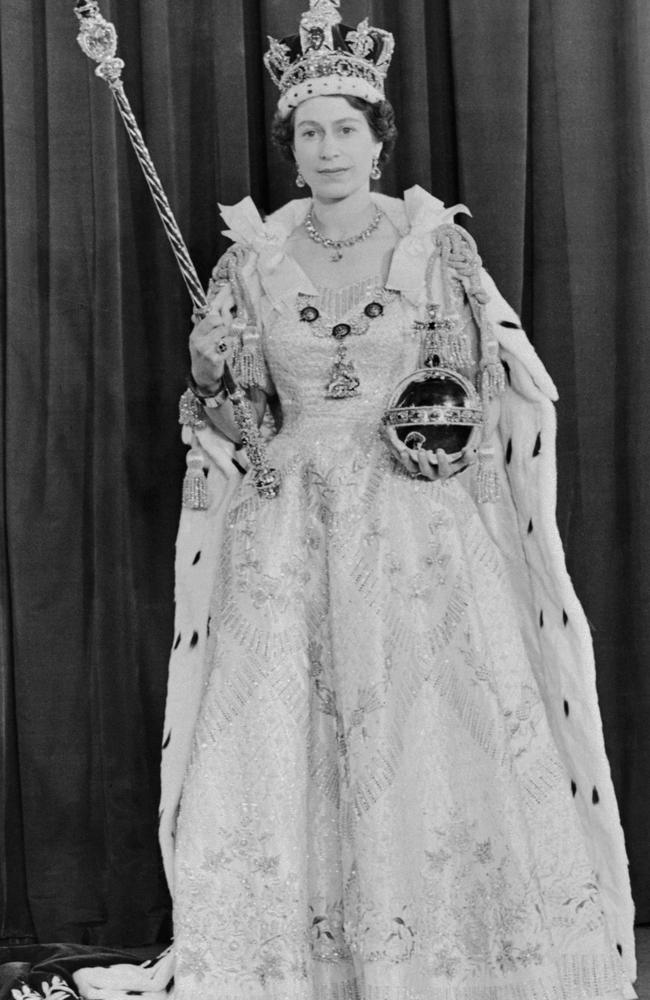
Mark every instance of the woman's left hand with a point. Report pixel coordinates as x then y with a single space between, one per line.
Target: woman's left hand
428 464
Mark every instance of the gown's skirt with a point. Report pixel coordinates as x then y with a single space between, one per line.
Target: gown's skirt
375 808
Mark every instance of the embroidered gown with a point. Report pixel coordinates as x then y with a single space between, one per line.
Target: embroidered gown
375 808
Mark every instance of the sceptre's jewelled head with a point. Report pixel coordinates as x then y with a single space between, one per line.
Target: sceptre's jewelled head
329 59
98 40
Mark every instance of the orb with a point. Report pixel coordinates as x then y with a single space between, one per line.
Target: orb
436 408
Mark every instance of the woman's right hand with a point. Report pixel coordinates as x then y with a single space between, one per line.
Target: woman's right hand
211 345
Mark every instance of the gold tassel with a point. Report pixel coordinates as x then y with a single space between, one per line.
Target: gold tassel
487 480
493 379
493 375
248 366
190 411
195 484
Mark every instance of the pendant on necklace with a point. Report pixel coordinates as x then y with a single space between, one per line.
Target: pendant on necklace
337 255
343 381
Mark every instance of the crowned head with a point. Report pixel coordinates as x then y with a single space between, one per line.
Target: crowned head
329 59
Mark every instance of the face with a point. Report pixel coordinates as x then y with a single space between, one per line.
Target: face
334 147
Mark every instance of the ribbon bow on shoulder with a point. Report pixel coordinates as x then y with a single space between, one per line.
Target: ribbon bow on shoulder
425 214
279 274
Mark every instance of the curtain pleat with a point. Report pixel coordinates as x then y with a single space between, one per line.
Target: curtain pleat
534 114
489 46
15 920
628 363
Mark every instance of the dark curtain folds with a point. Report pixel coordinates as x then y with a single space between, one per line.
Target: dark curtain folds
533 113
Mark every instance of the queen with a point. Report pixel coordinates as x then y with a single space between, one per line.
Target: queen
381 698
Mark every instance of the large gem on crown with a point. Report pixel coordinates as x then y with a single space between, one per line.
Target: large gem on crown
436 408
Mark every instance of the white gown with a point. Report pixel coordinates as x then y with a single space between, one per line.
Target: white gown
375 808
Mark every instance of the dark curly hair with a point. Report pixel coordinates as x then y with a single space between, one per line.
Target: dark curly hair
380 118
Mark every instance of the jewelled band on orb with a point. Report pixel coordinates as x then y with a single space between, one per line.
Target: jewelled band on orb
435 415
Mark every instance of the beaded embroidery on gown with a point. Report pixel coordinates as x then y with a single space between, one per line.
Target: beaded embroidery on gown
374 808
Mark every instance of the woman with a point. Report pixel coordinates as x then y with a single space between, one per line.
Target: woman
397 785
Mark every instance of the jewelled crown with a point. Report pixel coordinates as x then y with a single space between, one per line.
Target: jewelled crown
328 58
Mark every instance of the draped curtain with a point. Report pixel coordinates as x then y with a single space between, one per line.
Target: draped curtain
531 112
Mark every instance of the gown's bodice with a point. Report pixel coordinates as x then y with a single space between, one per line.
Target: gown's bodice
300 356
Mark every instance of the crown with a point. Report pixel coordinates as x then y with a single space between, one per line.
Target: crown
328 58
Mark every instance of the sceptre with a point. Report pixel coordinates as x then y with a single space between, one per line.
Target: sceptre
98 39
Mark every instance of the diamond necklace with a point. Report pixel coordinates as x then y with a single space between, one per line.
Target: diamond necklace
337 245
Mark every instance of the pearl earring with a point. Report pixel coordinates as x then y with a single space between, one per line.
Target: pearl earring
375 172
300 180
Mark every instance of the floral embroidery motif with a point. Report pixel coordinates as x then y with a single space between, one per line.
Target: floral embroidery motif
328 941
493 925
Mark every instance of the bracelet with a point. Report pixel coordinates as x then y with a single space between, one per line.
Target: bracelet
212 401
